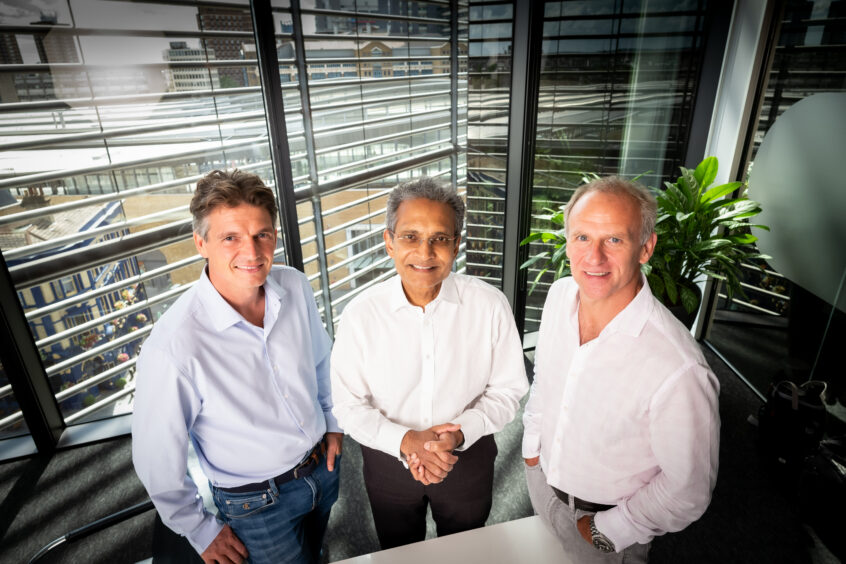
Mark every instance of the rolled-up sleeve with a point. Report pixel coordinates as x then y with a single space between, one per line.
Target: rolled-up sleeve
684 429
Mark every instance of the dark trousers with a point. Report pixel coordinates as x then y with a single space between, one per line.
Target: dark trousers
459 503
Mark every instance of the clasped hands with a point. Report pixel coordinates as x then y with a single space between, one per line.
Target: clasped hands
429 452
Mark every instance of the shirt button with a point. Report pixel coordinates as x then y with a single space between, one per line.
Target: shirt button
286 396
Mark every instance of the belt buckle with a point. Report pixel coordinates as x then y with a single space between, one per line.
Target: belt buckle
312 457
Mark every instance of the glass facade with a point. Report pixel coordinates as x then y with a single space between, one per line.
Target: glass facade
106 124
779 329
111 111
618 81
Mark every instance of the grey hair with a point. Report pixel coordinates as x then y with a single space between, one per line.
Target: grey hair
641 196
430 189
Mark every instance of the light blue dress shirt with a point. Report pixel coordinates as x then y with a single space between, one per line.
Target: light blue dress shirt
252 400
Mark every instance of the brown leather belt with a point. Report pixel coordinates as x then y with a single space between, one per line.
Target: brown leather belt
580 503
301 470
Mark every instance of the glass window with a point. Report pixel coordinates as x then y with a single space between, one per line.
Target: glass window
780 329
489 97
616 97
101 157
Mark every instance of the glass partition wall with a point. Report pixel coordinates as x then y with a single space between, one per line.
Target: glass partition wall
110 111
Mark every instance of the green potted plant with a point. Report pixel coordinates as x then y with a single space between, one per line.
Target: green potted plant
700 234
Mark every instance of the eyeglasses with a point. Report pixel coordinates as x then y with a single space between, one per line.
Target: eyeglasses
410 240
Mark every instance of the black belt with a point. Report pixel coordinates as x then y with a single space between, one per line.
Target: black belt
580 503
301 470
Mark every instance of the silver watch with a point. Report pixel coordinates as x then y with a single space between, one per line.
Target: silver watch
600 541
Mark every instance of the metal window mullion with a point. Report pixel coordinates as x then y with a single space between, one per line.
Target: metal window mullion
24 370
262 18
453 67
311 155
525 84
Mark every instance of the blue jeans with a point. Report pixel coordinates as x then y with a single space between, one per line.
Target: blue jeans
284 524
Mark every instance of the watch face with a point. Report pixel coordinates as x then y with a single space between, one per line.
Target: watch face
600 541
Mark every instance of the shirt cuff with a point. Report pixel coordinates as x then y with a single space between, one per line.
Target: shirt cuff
332 425
390 437
612 523
531 445
201 537
472 426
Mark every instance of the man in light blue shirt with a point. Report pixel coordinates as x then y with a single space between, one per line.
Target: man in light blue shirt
239 365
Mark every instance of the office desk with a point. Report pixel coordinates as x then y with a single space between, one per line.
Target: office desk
523 540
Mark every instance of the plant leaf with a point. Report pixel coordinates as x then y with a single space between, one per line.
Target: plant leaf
706 172
719 191
689 299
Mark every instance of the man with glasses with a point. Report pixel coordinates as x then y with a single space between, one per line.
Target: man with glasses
426 367
239 366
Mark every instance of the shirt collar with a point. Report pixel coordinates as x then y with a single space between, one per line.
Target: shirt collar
223 315
630 320
448 293
634 316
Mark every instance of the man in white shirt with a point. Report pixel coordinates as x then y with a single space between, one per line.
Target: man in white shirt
426 367
622 425
239 365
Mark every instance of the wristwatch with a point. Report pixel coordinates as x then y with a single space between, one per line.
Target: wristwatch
600 541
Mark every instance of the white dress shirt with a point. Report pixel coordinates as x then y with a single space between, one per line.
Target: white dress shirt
628 419
396 367
253 400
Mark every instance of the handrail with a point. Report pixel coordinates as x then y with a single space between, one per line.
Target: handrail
93 527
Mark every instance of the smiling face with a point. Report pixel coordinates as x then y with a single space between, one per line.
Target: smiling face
604 248
239 246
422 267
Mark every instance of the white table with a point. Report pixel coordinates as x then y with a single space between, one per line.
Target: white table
523 540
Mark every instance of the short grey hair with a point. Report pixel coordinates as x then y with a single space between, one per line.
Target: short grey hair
430 189
642 197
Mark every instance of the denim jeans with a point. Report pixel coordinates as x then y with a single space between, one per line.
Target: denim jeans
284 524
